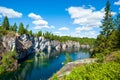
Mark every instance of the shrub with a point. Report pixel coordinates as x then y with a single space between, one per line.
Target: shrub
117 58
8 61
96 71
100 57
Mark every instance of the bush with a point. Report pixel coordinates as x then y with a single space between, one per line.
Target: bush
8 61
96 71
100 57
55 77
117 58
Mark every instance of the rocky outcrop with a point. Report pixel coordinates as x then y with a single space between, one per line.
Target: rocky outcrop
7 43
26 44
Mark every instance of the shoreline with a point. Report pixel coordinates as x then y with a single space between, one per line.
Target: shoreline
67 68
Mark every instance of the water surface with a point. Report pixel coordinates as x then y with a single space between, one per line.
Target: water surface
36 68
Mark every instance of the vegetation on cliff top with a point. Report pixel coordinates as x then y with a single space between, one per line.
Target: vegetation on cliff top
21 29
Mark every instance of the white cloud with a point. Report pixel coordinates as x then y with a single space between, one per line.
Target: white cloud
89 34
87 18
34 16
63 29
10 13
79 29
39 22
44 26
117 3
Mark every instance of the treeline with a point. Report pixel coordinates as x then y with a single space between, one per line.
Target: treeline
109 37
21 29
51 36
18 29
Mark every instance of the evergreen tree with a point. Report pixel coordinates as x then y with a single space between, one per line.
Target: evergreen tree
26 29
30 32
105 41
117 23
14 28
5 23
21 29
39 33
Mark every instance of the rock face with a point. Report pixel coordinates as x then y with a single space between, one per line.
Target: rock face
8 42
25 45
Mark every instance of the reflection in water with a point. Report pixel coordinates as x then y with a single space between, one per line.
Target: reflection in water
41 68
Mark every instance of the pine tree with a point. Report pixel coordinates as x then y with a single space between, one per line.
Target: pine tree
14 28
117 23
30 32
39 33
105 41
21 29
5 23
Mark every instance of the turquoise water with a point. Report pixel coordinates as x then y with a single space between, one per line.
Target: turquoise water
37 68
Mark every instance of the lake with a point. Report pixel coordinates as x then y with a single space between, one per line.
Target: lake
37 68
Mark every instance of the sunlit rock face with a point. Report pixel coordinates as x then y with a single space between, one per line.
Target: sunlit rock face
26 45
85 46
8 42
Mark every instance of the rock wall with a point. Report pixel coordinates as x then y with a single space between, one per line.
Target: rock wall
25 45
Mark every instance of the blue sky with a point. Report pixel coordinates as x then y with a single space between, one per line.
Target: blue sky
79 18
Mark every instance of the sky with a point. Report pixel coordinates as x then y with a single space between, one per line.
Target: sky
77 18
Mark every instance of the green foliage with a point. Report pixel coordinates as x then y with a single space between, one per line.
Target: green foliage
117 24
107 38
39 33
8 60
104 70
21 29
49 35
30 32
14 27
55 77
100 57
117 58
96 71
5 23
